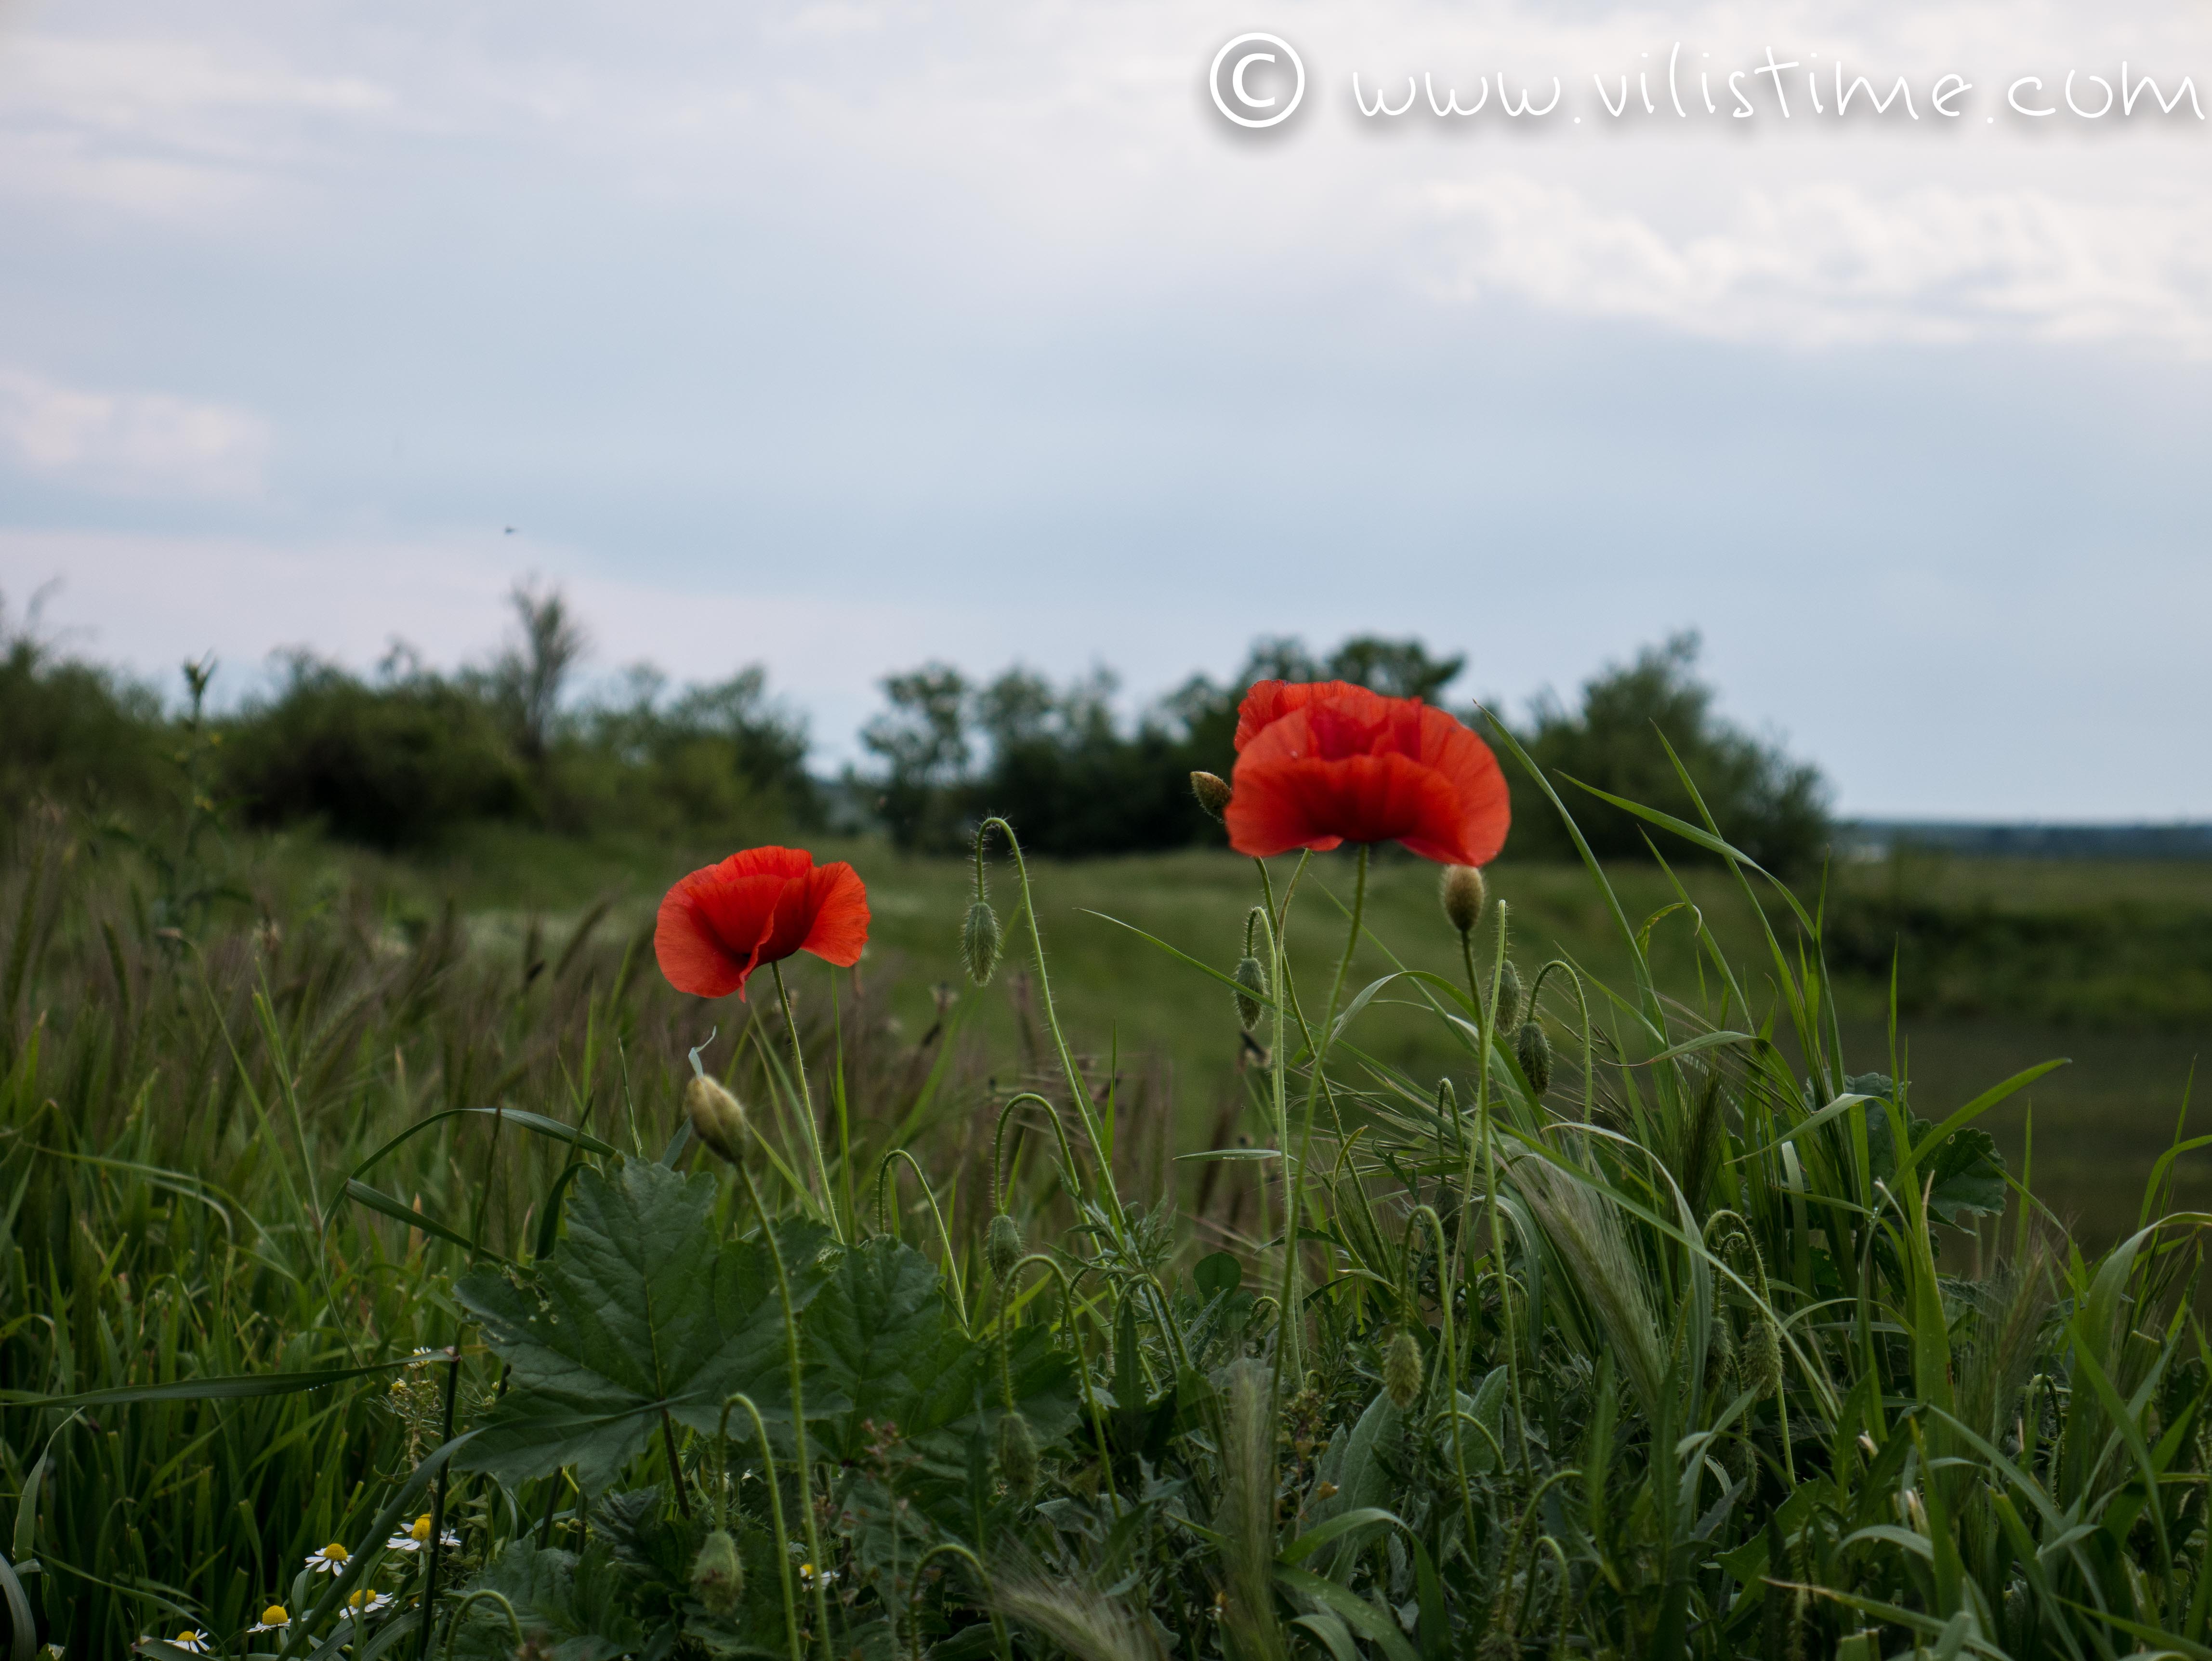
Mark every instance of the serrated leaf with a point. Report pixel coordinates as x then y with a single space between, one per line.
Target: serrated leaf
576 1603
1969 1172
888 1352
641 1308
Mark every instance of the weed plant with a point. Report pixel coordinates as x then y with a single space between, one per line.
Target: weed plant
377 1293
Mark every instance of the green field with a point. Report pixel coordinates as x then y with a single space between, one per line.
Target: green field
200 1055
2132 1029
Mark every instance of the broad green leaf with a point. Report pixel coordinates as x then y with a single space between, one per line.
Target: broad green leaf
1968 1171
888 1353
571 1602
640 1309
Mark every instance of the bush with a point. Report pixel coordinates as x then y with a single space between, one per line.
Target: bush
73 733
393 765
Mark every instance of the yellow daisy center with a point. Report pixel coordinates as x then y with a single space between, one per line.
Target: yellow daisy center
356 1599
274 1615
188 1636
422 1529
335 1553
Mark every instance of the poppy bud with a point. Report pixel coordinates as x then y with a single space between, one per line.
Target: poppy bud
1720 1351
1403 1371
1535 1050
1464 895
1212 793
1002 1246
978 942
1251 986
716 1117
1760 1363
1509 997
1018 1454
718 1574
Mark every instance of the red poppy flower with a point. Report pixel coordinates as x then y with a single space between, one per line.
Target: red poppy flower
720 923
1326 763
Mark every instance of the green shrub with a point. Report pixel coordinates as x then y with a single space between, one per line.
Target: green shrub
72 731
393 764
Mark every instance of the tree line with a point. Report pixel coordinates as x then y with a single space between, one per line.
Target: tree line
405 755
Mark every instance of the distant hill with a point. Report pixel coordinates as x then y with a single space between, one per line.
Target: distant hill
1877 838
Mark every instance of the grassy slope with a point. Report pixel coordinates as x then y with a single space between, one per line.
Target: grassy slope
2099 1124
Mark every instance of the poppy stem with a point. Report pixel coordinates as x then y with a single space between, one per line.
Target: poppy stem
807 1107
1294 1175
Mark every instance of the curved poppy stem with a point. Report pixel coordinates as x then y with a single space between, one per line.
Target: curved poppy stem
1077 1090
797 1404
1483 1114
775 1511
806 1107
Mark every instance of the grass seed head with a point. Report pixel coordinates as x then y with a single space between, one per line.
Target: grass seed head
1464 895
978 942
717 1118
1212 793
718 1574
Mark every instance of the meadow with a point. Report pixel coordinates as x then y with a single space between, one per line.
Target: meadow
247 1146
2107 965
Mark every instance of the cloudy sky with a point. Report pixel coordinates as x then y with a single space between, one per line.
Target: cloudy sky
837 335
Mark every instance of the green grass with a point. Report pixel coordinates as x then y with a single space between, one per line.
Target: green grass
2098 1123
181 1111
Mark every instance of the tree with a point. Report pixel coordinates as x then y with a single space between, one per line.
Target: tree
1771 806
923 742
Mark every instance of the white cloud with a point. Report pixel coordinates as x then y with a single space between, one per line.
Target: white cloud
1829 263
130 443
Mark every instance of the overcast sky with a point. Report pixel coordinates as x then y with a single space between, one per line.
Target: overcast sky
838 336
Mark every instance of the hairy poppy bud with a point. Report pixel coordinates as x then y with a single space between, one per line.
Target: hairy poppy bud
1018 1454
1212 793
1251 986
1720 1351
716 1117
1535 1050
1509 997
1002 1246
1403 1371
978 942
1761 1364
718 1574
1464 895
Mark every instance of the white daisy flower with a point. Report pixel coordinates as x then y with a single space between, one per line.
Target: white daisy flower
364 1603
275 1618
806 1573
417 1535
330 1560
191 1638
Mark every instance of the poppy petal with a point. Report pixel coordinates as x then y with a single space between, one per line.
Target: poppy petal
1347 764
718 924
840 925
1269 700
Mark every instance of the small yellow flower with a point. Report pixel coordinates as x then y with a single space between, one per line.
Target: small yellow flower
362 1604
330 1560
275 1618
